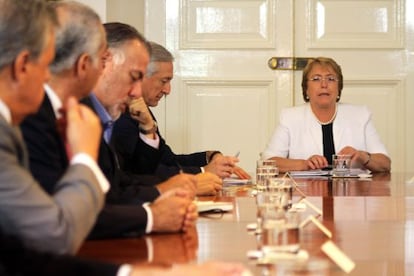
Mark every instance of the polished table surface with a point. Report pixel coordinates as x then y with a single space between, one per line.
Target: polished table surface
371 220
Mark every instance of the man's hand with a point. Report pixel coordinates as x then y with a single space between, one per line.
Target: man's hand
173 211
83 130
208 184
139 111
185 181
221 166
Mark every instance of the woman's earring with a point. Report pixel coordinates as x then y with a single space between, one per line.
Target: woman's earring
307 97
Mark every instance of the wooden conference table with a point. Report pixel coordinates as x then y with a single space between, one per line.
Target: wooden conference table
371 220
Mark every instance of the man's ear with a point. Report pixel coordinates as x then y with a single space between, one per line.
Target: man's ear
20 64
82 63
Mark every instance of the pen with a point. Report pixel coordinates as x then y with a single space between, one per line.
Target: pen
237 154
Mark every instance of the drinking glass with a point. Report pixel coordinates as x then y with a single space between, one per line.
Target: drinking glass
281 235
284 188
265 169
341 165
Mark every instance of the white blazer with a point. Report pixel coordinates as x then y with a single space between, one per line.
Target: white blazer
299 134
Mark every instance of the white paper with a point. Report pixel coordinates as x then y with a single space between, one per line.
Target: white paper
309 173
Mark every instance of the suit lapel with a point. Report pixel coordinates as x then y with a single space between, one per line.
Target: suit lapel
17 138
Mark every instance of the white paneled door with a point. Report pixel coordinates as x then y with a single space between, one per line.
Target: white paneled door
225 96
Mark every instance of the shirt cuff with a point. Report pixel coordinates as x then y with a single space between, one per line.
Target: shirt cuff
85 159
155 143
124 270
150 220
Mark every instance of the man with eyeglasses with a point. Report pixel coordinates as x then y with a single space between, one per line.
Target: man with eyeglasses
309 135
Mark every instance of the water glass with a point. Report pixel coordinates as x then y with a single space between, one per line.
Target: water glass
268 209
282 234
265 169
341 165
284 188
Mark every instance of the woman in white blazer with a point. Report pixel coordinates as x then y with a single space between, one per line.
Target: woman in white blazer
308 135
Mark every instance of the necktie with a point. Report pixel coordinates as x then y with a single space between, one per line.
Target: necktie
108 126
107 134
61 128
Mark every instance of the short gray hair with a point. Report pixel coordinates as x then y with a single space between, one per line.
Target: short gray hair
158 54
80 31
24 25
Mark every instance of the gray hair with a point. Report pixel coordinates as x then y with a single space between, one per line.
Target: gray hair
80 32
158 54
24 25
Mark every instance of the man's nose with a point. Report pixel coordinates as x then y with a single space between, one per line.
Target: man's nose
167 88
136 90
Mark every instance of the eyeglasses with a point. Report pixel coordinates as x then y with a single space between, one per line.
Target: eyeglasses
319 79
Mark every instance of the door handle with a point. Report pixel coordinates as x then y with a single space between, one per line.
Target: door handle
288 63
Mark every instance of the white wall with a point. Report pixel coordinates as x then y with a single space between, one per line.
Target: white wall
125 11
98 5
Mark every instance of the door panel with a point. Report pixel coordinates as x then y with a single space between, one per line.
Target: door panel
224 95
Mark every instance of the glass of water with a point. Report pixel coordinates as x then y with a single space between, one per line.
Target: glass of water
265 169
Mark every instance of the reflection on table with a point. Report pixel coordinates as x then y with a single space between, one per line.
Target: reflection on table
371 220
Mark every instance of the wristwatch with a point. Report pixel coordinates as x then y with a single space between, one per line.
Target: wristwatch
149 131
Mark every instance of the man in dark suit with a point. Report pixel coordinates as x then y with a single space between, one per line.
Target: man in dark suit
81 51
139 143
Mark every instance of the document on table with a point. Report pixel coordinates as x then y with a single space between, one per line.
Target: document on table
357 172
310 173
354 172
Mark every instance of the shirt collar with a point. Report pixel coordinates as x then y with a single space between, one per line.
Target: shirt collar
54 100
5 111
100 110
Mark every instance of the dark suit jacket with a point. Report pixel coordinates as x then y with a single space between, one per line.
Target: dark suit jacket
15 259
122 213
47 154
139 157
